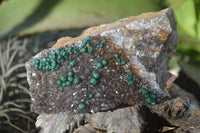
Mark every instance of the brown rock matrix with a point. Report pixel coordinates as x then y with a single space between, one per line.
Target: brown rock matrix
122 63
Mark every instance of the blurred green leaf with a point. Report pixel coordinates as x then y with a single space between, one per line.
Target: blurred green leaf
27 16
187 16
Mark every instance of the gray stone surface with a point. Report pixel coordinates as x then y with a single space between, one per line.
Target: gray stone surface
147 43
130 119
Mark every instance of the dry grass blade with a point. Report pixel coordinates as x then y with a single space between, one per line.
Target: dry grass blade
12 69
14 94
10 103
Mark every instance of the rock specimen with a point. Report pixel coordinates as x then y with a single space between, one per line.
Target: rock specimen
123 63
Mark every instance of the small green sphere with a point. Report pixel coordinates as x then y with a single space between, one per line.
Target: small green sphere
34 61
86 39
72 63
70 78
81 106
70 73
153 102
93 81
68 83
90 49
153 96
64 84
116 55
131 82
147 95
120 51
154 92
104 62
148 100
96 75
123 62
129 77
84 49
62 52
76 80
57 51
98 65
63 78
118 60
130 73
91 95
101 45
144 91
59 82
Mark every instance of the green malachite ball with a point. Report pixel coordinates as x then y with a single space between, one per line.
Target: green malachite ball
70 78
98 65
91 95
116 55
144 91
93 81
147 95
148 100
33 61
86 39
81 106
104 62
153 96
63 78
153 102
129 77
123 62
84 49
131 82
154 92
70 73
64 84
68 83
96 75
76 80
59 82
72 63
118 60
90 49
57 51
130 73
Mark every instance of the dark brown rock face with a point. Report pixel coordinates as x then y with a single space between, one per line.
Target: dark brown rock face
106 66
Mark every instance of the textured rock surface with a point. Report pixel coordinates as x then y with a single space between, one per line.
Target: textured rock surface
130 119
144 42
178 113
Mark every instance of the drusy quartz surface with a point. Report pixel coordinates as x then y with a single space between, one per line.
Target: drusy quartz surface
123 63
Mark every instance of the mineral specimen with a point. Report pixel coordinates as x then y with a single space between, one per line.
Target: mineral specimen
123 63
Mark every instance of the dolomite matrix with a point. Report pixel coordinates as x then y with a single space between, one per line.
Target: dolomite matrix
122 63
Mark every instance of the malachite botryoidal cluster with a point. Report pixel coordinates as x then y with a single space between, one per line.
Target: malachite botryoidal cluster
101 44
101 64
119 61
95 78
84 48
67 80
130 78
150 98
53 61
72 63
96 75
